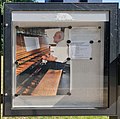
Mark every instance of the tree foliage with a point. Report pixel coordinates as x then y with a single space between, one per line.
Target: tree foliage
23 0
1 8
20 0
2 1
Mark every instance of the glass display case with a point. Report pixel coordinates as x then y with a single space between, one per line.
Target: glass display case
60 59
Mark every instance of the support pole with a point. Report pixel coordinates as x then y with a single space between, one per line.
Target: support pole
114 117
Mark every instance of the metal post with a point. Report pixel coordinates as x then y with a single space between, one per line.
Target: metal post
0 55
114 117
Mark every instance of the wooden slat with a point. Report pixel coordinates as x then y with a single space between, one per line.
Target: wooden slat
28 59
49 84
23 53
23 67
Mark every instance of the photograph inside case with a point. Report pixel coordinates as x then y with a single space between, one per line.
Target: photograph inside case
43 67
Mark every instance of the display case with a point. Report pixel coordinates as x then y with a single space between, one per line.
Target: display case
60 59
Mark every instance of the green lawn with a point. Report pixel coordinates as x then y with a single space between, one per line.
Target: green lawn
48 117
59 117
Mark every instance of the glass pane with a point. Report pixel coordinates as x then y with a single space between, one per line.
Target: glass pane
60 64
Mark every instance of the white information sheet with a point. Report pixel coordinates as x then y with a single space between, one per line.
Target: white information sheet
80 50
80 47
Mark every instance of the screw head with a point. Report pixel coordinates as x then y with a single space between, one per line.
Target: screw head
6 24
68 59
17 27
68 41
69 93
70 27
91 42
91 58
99 41
6 94
99 27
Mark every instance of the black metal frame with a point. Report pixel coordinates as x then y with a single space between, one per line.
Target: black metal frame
112 57
118 92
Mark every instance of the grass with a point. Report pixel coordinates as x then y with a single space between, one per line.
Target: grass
59 117
46 117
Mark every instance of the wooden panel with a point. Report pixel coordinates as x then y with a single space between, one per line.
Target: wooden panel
49 84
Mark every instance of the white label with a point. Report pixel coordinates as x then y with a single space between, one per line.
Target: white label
64 17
